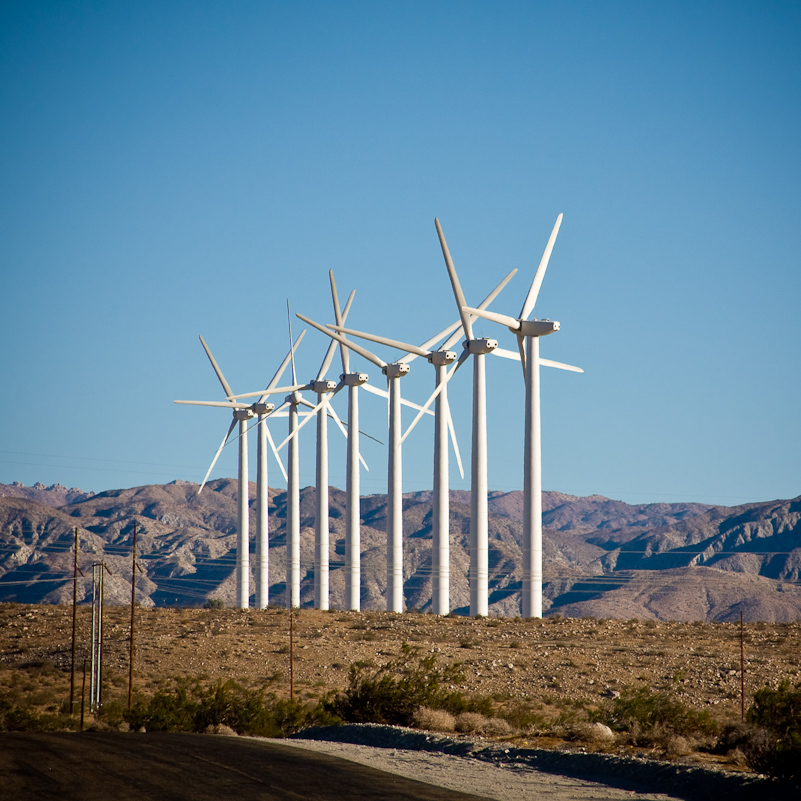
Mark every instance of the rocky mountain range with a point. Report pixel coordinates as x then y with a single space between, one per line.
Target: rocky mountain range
602 558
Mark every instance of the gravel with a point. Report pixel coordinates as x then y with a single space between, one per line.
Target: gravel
492 770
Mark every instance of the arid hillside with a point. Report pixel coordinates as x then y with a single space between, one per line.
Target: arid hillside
603 558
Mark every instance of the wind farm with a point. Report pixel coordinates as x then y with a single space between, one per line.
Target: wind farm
326 390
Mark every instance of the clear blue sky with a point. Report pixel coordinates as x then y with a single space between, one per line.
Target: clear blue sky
170 169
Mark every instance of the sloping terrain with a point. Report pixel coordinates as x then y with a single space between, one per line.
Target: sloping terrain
603 558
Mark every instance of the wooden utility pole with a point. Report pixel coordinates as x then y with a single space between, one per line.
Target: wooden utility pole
74 618
291 654
742 667
133 602
83 692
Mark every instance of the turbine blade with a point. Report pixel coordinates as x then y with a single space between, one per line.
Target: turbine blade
371 357
329 355
344 430
522 350
497 291
561 366
275 453
453 437
503 319
506 354
444 333
225 404
392 343
291 348
483 305
225 385
310 416
217 455
531 298
382 393
344 353
314 411
280 371
272 391
425 407
457 287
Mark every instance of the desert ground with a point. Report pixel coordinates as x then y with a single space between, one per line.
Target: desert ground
553 664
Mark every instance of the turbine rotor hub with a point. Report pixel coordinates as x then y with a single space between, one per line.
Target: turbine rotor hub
441 357
396 370
536 328
354 379
481 346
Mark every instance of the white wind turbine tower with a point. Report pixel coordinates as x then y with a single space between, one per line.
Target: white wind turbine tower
443 424
479 523
529 332
325 390
352 488
394 372
242 412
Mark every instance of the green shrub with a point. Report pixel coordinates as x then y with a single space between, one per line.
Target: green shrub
195 706
16 716
774 747
391 693
651 716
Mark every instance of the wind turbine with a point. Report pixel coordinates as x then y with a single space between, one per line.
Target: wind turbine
479 523
394 372
352 488
528 334
440 359
325 389
242 412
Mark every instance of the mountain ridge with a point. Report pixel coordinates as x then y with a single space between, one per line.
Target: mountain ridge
601 557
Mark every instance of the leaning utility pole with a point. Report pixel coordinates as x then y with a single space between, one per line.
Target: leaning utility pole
134 568
74 617
742 667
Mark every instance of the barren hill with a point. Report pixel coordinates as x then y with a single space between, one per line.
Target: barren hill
603 558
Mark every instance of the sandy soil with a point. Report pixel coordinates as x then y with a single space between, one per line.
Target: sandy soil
551 663
501 782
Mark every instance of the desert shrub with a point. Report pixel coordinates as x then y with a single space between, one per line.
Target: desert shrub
391 693
214 603
434 719
195 706
18 716
524 717
471 722
774 746
652 718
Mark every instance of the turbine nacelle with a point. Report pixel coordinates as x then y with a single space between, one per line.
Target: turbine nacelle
321 387
480 346
240 415
535 328
263 408
354 379
396 370
441 357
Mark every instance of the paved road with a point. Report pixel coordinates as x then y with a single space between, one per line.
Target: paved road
97 766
